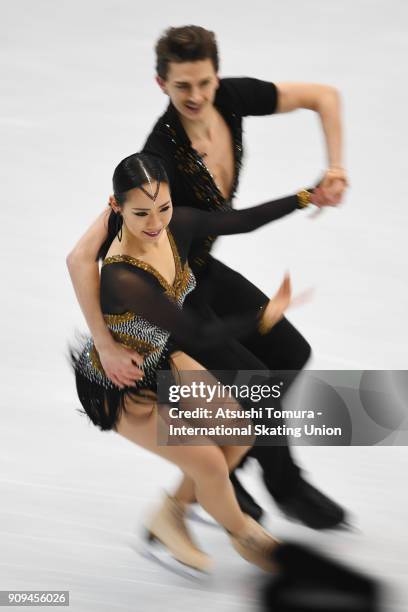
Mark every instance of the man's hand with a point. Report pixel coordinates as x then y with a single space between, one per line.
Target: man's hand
331 189
120 364
324 100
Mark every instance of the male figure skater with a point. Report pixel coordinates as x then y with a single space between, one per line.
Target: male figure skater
199 140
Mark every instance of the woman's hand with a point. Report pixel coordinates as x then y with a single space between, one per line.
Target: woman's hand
276 306
281 301
120 364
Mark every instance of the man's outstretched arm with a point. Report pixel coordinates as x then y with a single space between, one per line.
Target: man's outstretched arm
324 100
83 267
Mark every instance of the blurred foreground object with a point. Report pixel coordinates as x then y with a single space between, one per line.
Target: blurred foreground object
311 582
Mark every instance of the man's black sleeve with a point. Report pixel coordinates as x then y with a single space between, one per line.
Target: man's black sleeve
249 96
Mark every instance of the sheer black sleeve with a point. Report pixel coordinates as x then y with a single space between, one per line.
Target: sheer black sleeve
125 288
223 223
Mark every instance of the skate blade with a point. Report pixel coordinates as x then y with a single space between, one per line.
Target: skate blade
154 550
350 527
199 516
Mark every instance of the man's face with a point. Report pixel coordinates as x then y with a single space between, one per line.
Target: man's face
191 87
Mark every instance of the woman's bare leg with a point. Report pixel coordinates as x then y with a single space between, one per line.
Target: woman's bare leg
182 363
205 465
185 492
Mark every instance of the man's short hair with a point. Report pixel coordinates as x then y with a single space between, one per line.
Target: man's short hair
185 44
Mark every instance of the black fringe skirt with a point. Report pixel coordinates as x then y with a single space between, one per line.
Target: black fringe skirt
104 405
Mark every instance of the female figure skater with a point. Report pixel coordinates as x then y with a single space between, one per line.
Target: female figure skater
199 140
144 280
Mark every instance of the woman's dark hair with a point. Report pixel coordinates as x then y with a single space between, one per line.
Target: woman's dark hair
133 171
185 44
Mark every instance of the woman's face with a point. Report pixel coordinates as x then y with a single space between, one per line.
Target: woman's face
144 218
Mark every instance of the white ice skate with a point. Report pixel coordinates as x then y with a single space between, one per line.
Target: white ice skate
168 541
153 550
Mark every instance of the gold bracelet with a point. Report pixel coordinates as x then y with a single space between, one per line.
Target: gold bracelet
303 198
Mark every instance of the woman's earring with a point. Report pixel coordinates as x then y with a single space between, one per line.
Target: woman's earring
119 226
